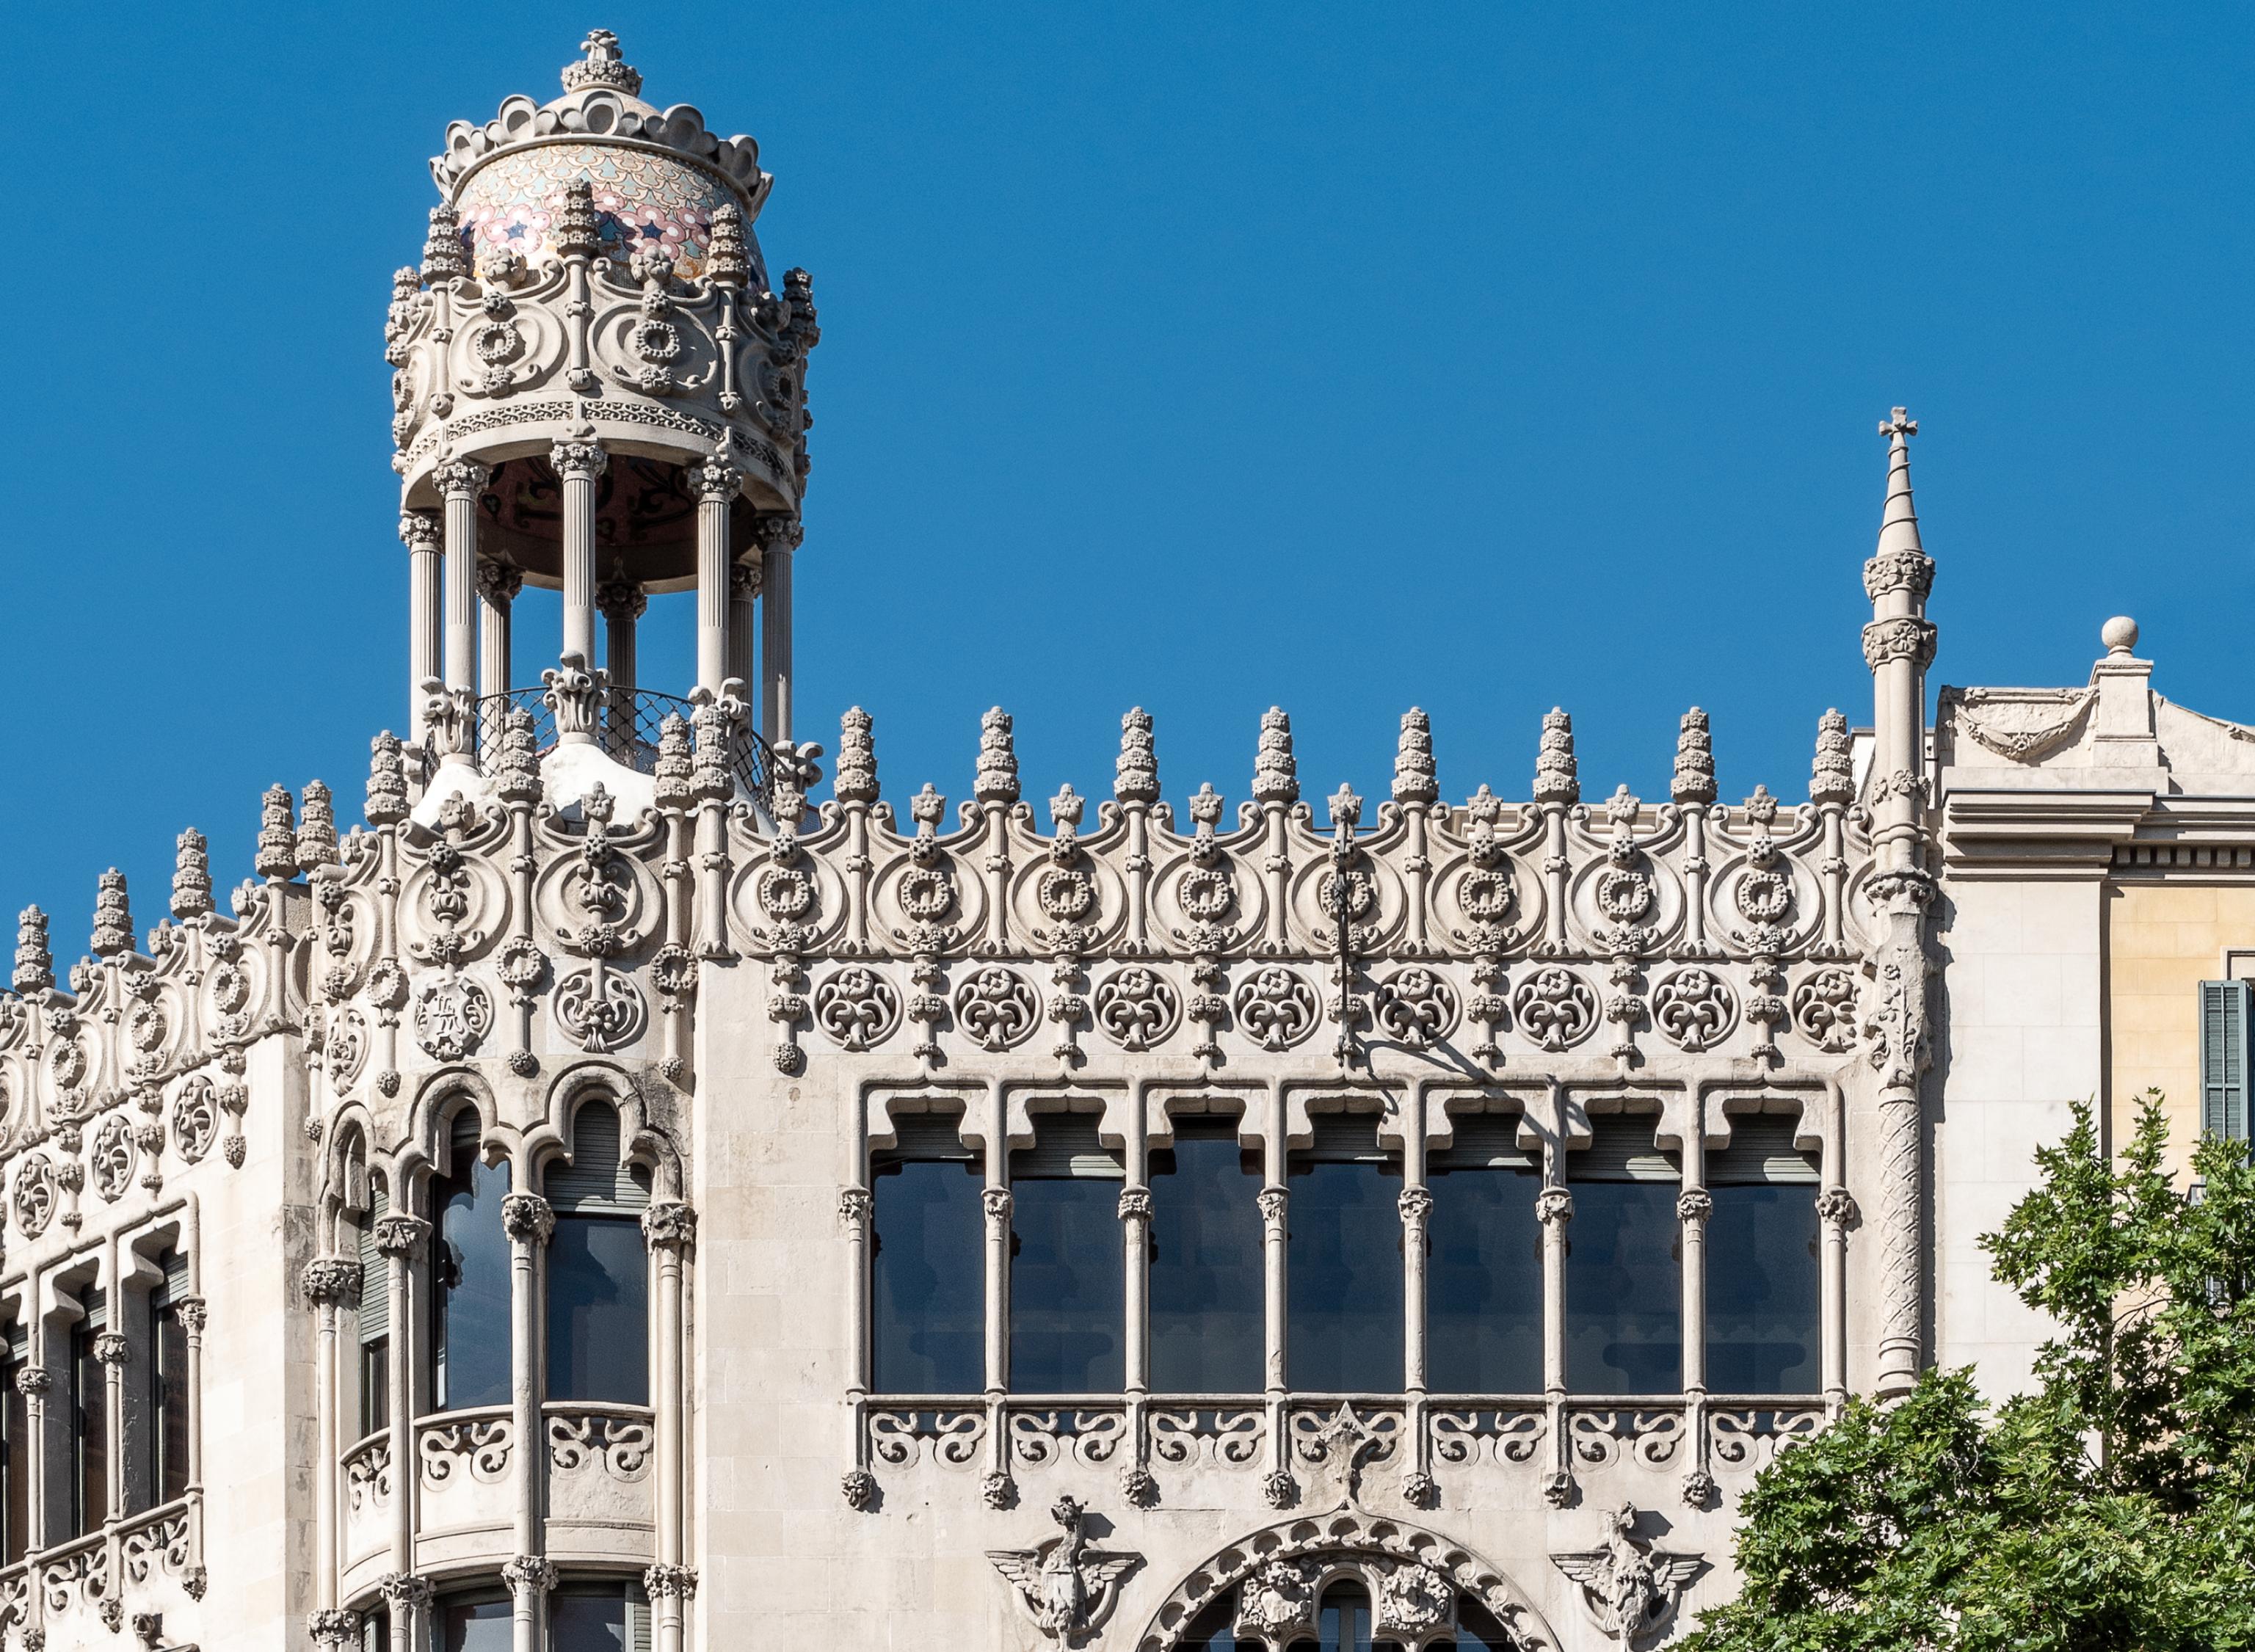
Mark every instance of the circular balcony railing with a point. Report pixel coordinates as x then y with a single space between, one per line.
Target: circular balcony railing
626 725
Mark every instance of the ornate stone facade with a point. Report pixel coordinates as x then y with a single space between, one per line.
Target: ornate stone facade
599 955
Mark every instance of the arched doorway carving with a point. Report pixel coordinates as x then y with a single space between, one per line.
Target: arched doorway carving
1416 1579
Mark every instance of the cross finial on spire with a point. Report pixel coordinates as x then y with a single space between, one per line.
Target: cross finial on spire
1899 423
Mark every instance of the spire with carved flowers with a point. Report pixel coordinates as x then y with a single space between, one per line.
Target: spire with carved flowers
856 779
1275 771
996 781
387 780
443 257
1413 779
1832 777
317 834
278 835
516 764
728 260
577 232
601 64
1695 762
674 773
1136 775
191 885
113 917
1555 778
35 965
712 759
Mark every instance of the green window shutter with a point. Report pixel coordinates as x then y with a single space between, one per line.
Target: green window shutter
598 1180
2223 1059
374 1274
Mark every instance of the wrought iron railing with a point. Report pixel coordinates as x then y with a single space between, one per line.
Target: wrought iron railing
627 726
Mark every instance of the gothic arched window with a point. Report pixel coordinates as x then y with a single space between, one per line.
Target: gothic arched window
1624 1269
1343 1265
1208 1285
597 1271
1484 1275
1762 1271
1068 1297
469 1276
927 1269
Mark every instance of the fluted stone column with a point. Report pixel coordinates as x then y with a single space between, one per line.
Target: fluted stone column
669 1232
623 603
579 466
717 482
498 584
401 1239
418 530
33 1381
743 620
110 1351
778 537
527 1221
331 1284
460 481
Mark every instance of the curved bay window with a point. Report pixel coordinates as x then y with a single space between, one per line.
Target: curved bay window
1344 1293
477 1620
1208 1288
598 1272
1762 1267
927 1267
1068 1295
469 1347
599 1617
1484 1276
1623 1268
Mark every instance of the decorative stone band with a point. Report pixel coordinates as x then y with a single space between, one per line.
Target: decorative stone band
671 1225
527 1216
1910 571
1898 639
332 1281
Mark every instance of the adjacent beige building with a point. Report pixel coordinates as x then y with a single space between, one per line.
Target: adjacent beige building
649 1185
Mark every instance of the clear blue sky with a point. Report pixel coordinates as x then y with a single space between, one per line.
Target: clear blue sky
1199 356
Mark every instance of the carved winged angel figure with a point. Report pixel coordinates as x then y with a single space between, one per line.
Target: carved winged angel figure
1066 1587
1630 1586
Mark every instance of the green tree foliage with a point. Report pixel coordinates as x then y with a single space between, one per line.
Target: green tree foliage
2110 1509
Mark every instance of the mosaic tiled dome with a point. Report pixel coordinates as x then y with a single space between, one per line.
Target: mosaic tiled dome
656 175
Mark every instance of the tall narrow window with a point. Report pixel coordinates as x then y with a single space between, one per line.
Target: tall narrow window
2223 1029
599 1617
373 1319
1343 1621
598 1274
927 1288
1484 1279
469 1278
1343 1262
16 1449
474 1621
161 1417
1208 1281
1624 1279
1762 1262
1067 1300
89 1417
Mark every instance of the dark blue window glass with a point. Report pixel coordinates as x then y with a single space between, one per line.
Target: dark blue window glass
598 1618
1343 1622
1484 1283
1762 1290
475 1625
1208 1281
927 1286
598 1311
470 1284
1067 1297
1624 1290
1342 1269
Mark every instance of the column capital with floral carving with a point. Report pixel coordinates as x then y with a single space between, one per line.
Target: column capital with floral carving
529 1573
334 1625
405 1590
460 478
853 1207
419 530
1554 1204
331 1281
111 1347
527 1217
1134 1204
669 1225
718 480
996 1201
777 533
499 582
744 580
669 1583
620 599
1416 1205
1272 1201
1693 1204
401 1234
31 1381
579 461
195 1313
1835 1208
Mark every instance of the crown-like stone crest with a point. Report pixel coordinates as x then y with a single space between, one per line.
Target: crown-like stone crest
997 779
35 965
278 835
601 64
443 257
113 917
674 773
191 885
317 833
1555 780
387 780
1414 779
517 765
1695 762
1276 772
1136 776
856 780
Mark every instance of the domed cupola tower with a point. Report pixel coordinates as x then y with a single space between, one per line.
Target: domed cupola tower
596 389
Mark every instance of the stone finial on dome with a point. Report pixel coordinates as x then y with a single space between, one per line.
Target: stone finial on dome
1695 762
192 888
517 765
1832 777
278 835
856 779
1276 771
35 965
1414 781
1136 775
113 917
387 780
996 781
601 66
577 232
317 836
674 773
443 257
712 764
1555 776
728 260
